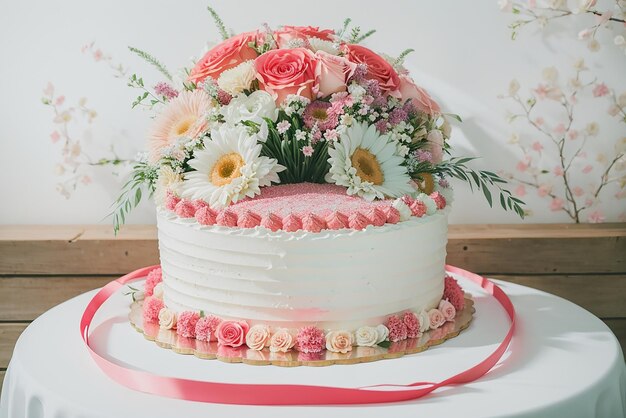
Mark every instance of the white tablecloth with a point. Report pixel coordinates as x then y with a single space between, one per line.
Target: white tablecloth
563 362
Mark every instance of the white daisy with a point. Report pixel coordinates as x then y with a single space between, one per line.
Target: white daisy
368 164
229 168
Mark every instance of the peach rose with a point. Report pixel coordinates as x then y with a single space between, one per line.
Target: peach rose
224 56
282 341
258 337
339 341
436 318
232 333
377 68
447 309
331 74
289 33
282 72
435 144
418 96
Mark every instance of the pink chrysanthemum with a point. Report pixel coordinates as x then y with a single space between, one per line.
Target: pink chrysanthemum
171 200
317 113
453 293
412 324
205 328
397 329
440 201
165 90
154 277
310 340
186 324
185 209
151 308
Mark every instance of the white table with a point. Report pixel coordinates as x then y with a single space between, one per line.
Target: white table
563 362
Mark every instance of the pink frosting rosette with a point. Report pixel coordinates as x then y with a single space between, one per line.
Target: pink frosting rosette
232 333
258 337
282 72
418 96
282 341
436 318
377 68
447 309
224 56
339 341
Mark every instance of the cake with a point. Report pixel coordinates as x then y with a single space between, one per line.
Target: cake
302 197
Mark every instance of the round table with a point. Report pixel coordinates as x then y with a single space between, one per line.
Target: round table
563 361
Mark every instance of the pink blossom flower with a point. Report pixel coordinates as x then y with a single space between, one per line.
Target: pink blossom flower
544 92
572 134
613 110
60 100
600 90
310 340
331 135
165 90
589 201
539 121
544 190
587 169
453 293
206 327
55 136
558 171
596 217
578 191
556 204
283 126
154 277
520 190
307 150
397 329
537 146
522 166
560 129
85 180
151 308
186 324
97 55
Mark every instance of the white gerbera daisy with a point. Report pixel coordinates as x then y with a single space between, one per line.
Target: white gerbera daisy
368 164
229 168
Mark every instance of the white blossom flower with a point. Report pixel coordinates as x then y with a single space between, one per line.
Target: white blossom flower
254 107
238 79
318 44
513 87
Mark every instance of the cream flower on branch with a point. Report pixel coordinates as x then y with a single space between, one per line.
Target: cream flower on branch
184 116
229 168
368 164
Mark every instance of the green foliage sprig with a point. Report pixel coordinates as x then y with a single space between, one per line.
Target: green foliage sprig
219 23
145 96
153 61
482 180
142 178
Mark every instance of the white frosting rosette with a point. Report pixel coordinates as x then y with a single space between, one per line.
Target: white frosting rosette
366 336
258 337
157 292
424 321
167 318
403 209
431 206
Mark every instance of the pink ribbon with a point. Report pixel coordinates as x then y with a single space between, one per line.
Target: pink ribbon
283 394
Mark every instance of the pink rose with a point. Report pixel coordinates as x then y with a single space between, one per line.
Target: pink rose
282 72
339 341
377 68
288 33
447 309
224 56
258 337
232 333
282 341
331 74
436 318
418 96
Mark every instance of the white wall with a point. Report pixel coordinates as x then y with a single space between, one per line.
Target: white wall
465 57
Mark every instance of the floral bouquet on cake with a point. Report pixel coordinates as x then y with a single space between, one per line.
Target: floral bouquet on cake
295 105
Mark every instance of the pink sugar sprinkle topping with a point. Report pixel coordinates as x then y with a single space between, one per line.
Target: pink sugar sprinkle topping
171 201
439 199
151 308
376 216
336 220
185 209
310 340
418 208
154 277
199 204
226 217
206 216
186 324
248 219
313 223
407 200
358 221
292 223
393 215
272 222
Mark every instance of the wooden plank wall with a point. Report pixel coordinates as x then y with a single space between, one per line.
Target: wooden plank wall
41 266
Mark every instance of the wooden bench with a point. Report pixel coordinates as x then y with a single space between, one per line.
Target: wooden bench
42 266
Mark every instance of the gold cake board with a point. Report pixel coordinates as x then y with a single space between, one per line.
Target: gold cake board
169 339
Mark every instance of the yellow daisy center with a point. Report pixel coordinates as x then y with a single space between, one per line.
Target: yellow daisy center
320 114
426 184
367 166
226 169
183 126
